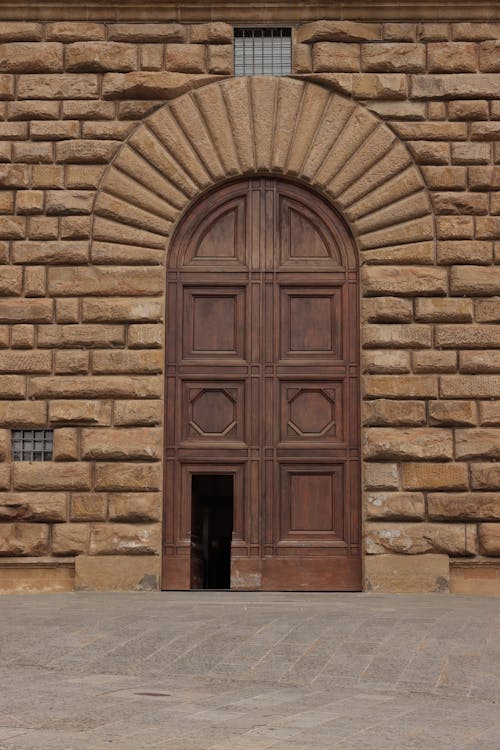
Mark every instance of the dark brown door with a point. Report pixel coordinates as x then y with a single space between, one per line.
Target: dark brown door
262 384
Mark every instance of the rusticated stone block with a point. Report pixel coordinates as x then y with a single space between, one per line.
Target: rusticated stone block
381 476
147 32
10 282
128 477
128 539
475 32
85 335
22 414
86 151
116 281
135 413
489 414
467 506
104 310
395 505
88 506
475 280
71 362
152 85
338 31
474 109
464 251
453 413
11 228
80 412
11 31
469 386
145 336
477 443
401 336
75 31
14 176
25 57
432 310
148 361
24 539
62 202
33 361
398 574
335 56
387 310
379 86
33 506
25 310
117 573
133 507
220 59
405 386
12 386
408 280
485 476
417 538
95 386
65 444
22 336
186 58
51 252
420 443
64 476
487 310
452 57
393 58
489 56
434 476
385 412
99 57
58 86
455 227
467 337
484 178
122 445
67 310
70 538
216 32
386 361
460 203
489 538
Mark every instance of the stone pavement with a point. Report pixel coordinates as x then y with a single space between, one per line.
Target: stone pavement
235 671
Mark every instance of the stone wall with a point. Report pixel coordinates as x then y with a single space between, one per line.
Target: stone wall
81 323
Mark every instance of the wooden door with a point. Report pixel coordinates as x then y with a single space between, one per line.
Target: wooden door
262 383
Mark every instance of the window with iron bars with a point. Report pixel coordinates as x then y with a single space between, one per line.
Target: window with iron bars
262 51
32 445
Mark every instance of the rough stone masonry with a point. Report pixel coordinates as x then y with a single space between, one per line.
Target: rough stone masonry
83 242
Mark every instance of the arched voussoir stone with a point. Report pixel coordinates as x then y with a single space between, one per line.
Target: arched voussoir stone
264 125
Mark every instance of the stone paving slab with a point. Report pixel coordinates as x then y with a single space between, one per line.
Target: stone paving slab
234 671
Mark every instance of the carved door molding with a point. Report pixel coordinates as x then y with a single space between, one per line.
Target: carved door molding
262 382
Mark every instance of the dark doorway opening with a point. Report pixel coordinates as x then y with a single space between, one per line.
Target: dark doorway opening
211 531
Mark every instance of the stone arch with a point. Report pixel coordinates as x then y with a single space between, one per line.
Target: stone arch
266 125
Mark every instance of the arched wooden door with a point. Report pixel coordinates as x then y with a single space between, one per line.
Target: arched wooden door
262 385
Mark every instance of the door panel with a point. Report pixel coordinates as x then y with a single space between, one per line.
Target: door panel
262 382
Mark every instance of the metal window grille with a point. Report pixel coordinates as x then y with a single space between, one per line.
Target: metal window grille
263 51
32 445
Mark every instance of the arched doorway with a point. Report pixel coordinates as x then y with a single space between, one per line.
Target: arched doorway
262 454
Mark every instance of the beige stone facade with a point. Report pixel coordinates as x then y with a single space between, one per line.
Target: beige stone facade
109 131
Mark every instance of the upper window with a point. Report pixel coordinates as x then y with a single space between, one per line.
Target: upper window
262 51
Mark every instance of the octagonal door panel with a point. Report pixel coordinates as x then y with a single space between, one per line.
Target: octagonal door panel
262 379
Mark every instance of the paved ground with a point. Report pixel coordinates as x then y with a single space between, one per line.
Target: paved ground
228 671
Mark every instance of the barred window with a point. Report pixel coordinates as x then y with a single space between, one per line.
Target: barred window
32 445
262 51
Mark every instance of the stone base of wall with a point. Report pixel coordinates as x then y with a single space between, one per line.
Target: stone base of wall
475 577
36 575
399 574
117 573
